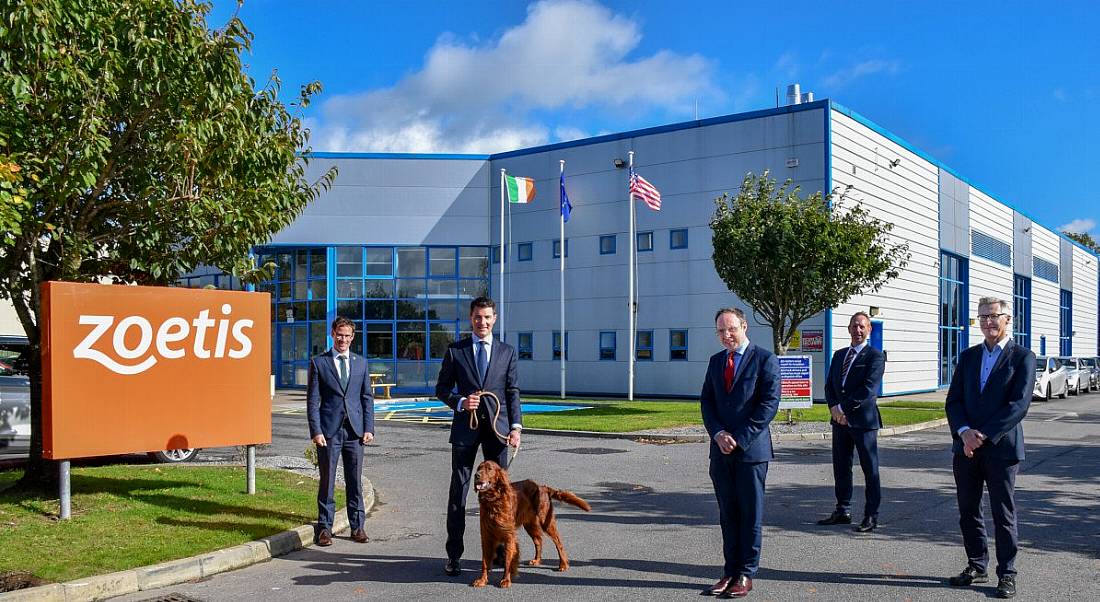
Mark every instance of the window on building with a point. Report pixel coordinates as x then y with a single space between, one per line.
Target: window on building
1021 310
953 318
442 262
607 345
557 248
645 241
556 345
678 345
984 245
1065 334
678 239
380 261
525 346
496 254
643 345
349 262
524 251
607 244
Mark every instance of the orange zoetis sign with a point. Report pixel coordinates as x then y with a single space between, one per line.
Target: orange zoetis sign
138 368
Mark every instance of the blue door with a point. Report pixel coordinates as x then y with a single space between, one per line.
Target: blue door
876 342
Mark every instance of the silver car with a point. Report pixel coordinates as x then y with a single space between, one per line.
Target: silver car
1093 364
1078 375
1050 378
15 404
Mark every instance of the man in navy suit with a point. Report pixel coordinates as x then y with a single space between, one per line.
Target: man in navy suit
989 396
470 367
340 408
851 390
739 400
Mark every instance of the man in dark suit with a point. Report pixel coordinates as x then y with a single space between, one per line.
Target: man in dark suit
340 409
739 400
989 396
851 390
470 367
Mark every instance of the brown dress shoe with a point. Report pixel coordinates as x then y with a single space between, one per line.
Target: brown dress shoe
324 538
359 536
738 589
719 587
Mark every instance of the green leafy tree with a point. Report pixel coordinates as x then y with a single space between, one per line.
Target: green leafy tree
790 258
1083 238
144 150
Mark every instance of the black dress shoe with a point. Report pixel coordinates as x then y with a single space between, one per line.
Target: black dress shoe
837 518
870 523
1006 586
453 568
716 589
969 576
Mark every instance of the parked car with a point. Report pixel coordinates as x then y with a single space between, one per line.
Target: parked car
1050 378
1093 364
1078 375
15 404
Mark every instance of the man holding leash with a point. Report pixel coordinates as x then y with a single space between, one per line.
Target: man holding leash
478 381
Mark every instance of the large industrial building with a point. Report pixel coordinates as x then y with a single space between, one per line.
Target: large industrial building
401 243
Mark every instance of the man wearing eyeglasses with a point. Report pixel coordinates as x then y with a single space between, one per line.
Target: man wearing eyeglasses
989 396
739 400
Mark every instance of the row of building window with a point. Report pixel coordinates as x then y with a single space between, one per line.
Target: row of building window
677 239
608 345
998 251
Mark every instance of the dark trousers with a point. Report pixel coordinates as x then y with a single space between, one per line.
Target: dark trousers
739 487
865 444
462 467
344 444
999 476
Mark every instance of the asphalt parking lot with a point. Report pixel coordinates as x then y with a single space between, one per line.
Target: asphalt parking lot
653 528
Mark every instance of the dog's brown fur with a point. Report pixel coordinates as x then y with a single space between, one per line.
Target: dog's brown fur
503 507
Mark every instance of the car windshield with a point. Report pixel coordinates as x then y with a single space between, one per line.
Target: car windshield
14 360
1041 364
1068 363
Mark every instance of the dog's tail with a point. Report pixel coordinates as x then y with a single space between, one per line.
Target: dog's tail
568 497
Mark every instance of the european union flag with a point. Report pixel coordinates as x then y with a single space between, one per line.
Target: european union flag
566 206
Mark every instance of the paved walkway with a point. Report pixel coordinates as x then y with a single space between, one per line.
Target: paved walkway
653 528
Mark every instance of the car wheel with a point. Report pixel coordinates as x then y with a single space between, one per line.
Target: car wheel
1065 391
1047 397
175 456
1080 391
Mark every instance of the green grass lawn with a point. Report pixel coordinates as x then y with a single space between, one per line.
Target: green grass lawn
610 416
130 516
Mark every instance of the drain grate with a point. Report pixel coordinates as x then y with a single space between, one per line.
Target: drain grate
172 597
593 451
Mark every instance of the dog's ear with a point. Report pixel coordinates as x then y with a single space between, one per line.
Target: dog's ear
500 475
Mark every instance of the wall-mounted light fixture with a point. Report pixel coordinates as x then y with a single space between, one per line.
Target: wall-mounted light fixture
619 163
874 310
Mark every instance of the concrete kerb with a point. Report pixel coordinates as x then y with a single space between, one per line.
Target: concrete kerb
185 569
670 438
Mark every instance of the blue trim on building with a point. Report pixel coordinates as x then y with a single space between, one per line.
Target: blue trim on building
828 342
661 129
913 149
913 392
430 156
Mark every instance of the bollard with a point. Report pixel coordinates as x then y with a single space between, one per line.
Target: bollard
251 469
66 490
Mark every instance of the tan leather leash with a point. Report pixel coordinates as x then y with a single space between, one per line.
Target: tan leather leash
496 414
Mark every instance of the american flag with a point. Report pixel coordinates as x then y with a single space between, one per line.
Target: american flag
642 189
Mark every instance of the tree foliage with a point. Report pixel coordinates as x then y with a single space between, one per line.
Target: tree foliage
141 148
791 257
1083 238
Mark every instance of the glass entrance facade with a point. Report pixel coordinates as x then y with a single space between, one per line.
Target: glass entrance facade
953 319
408 304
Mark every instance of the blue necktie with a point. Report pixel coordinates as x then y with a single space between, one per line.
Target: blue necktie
482 361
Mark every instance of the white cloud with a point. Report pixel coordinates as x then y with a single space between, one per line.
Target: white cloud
566 133
567 55
1060 95
1079 225
844 77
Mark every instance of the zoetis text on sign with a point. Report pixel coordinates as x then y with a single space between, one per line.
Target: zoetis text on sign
134 368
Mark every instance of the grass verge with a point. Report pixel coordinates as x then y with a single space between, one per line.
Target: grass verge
629 416
129 516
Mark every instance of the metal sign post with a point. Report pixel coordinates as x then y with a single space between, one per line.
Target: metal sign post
250 468
66 490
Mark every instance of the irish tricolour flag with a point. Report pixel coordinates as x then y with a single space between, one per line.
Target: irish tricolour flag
520 190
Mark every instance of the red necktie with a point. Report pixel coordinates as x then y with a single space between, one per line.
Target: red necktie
729 372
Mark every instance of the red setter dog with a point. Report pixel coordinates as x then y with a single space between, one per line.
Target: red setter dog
505 506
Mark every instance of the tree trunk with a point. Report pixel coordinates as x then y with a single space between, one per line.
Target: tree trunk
39 473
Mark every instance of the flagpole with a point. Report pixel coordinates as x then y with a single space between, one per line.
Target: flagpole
503 255
630 292
561 269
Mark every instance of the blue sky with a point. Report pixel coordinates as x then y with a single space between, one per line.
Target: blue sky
1006 93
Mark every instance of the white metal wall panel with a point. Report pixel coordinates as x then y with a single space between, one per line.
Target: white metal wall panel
1044 293
1084 303
988 278
907 196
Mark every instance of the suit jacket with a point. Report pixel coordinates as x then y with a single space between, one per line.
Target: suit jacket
747 410
858 395
458 378
998 410
327 402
